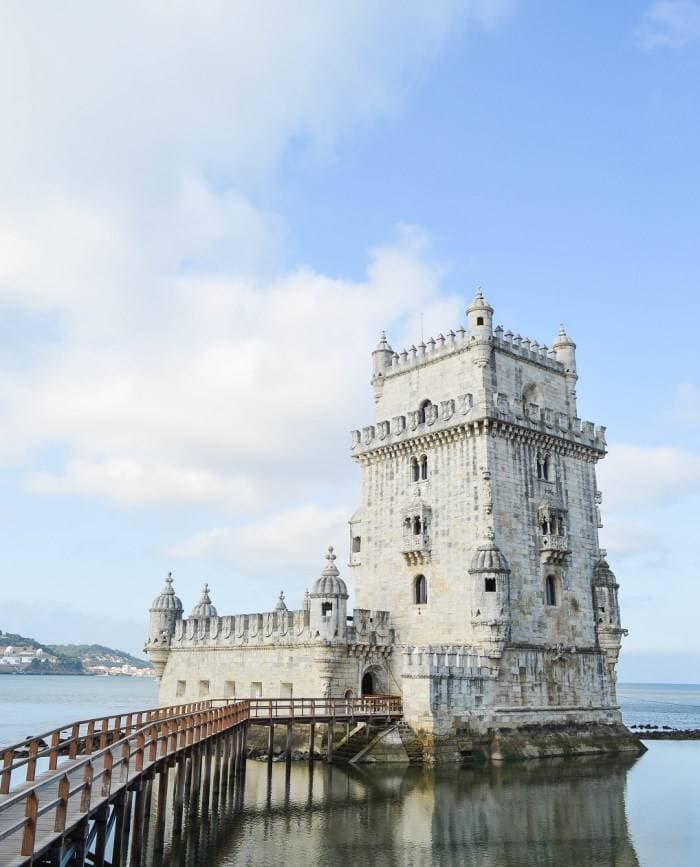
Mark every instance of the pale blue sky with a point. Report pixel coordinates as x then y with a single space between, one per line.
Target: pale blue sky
207 215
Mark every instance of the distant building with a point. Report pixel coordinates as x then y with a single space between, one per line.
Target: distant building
483 597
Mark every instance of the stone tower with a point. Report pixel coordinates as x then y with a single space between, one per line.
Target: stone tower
478 530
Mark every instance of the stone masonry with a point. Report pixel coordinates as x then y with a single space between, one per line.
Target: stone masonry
484 598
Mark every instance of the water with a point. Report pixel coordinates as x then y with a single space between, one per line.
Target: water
31 705
563 813
593 812
661 704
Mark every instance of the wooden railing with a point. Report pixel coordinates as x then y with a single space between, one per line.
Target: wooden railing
81 738
322 709
96 776
92 765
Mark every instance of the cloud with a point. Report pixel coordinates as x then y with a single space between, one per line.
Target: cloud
637 476
626 538
287 541
244 393
670 24
170 353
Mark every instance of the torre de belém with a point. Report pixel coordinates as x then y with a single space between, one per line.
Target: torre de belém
484 599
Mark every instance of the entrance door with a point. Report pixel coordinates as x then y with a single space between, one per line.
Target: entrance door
368 684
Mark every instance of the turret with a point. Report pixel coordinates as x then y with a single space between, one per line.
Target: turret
381 359
607 613
480 318
490 594
204 608
328 602
164 613
565 352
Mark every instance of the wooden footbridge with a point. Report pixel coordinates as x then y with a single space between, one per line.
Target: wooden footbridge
82 794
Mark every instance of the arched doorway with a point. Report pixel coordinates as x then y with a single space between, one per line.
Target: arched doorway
368 684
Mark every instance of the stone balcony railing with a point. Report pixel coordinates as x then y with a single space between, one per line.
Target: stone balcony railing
416 548
554 548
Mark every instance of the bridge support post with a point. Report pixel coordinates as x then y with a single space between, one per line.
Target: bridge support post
270 741
101 835
312 741
288 745
126 825
206 787
118 829
137 826
179 794
158 839
330 742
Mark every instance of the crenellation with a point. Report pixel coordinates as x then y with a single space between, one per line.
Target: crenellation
483 597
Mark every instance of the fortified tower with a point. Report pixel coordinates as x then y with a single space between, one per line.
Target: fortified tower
478 530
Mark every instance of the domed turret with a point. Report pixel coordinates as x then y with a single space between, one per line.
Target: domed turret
164 613
607 613
329 583
204 607
381 358
565 352
166 599
328 603
490 591
480 317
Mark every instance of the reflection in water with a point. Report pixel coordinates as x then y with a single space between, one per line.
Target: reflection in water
550 812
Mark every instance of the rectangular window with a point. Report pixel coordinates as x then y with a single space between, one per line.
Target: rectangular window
203 688
229 689
181 688
490 585
356 544
256 689
285 690
326 609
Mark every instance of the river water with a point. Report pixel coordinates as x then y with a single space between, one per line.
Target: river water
563 813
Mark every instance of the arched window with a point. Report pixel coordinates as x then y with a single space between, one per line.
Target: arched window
421 411
420 590
424 467
415 470
540 465
356 544
416 526
550 591
547 468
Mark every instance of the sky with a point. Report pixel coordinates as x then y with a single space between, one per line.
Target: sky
208 212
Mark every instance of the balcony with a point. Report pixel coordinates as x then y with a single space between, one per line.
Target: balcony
554 548
416 548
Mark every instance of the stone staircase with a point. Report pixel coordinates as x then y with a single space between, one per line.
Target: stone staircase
411 744
357 741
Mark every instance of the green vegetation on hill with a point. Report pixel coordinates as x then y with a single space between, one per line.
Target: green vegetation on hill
70 658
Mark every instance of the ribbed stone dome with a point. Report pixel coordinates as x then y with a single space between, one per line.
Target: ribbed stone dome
603 574
330 583
167 600
204 607
488 558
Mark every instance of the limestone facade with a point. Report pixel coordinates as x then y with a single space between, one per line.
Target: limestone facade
484 598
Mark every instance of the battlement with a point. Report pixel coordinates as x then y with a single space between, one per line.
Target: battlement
461 410
275 628
460 340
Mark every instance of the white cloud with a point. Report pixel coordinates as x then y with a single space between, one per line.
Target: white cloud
285 542
628 538
636 476
670 23
188 364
